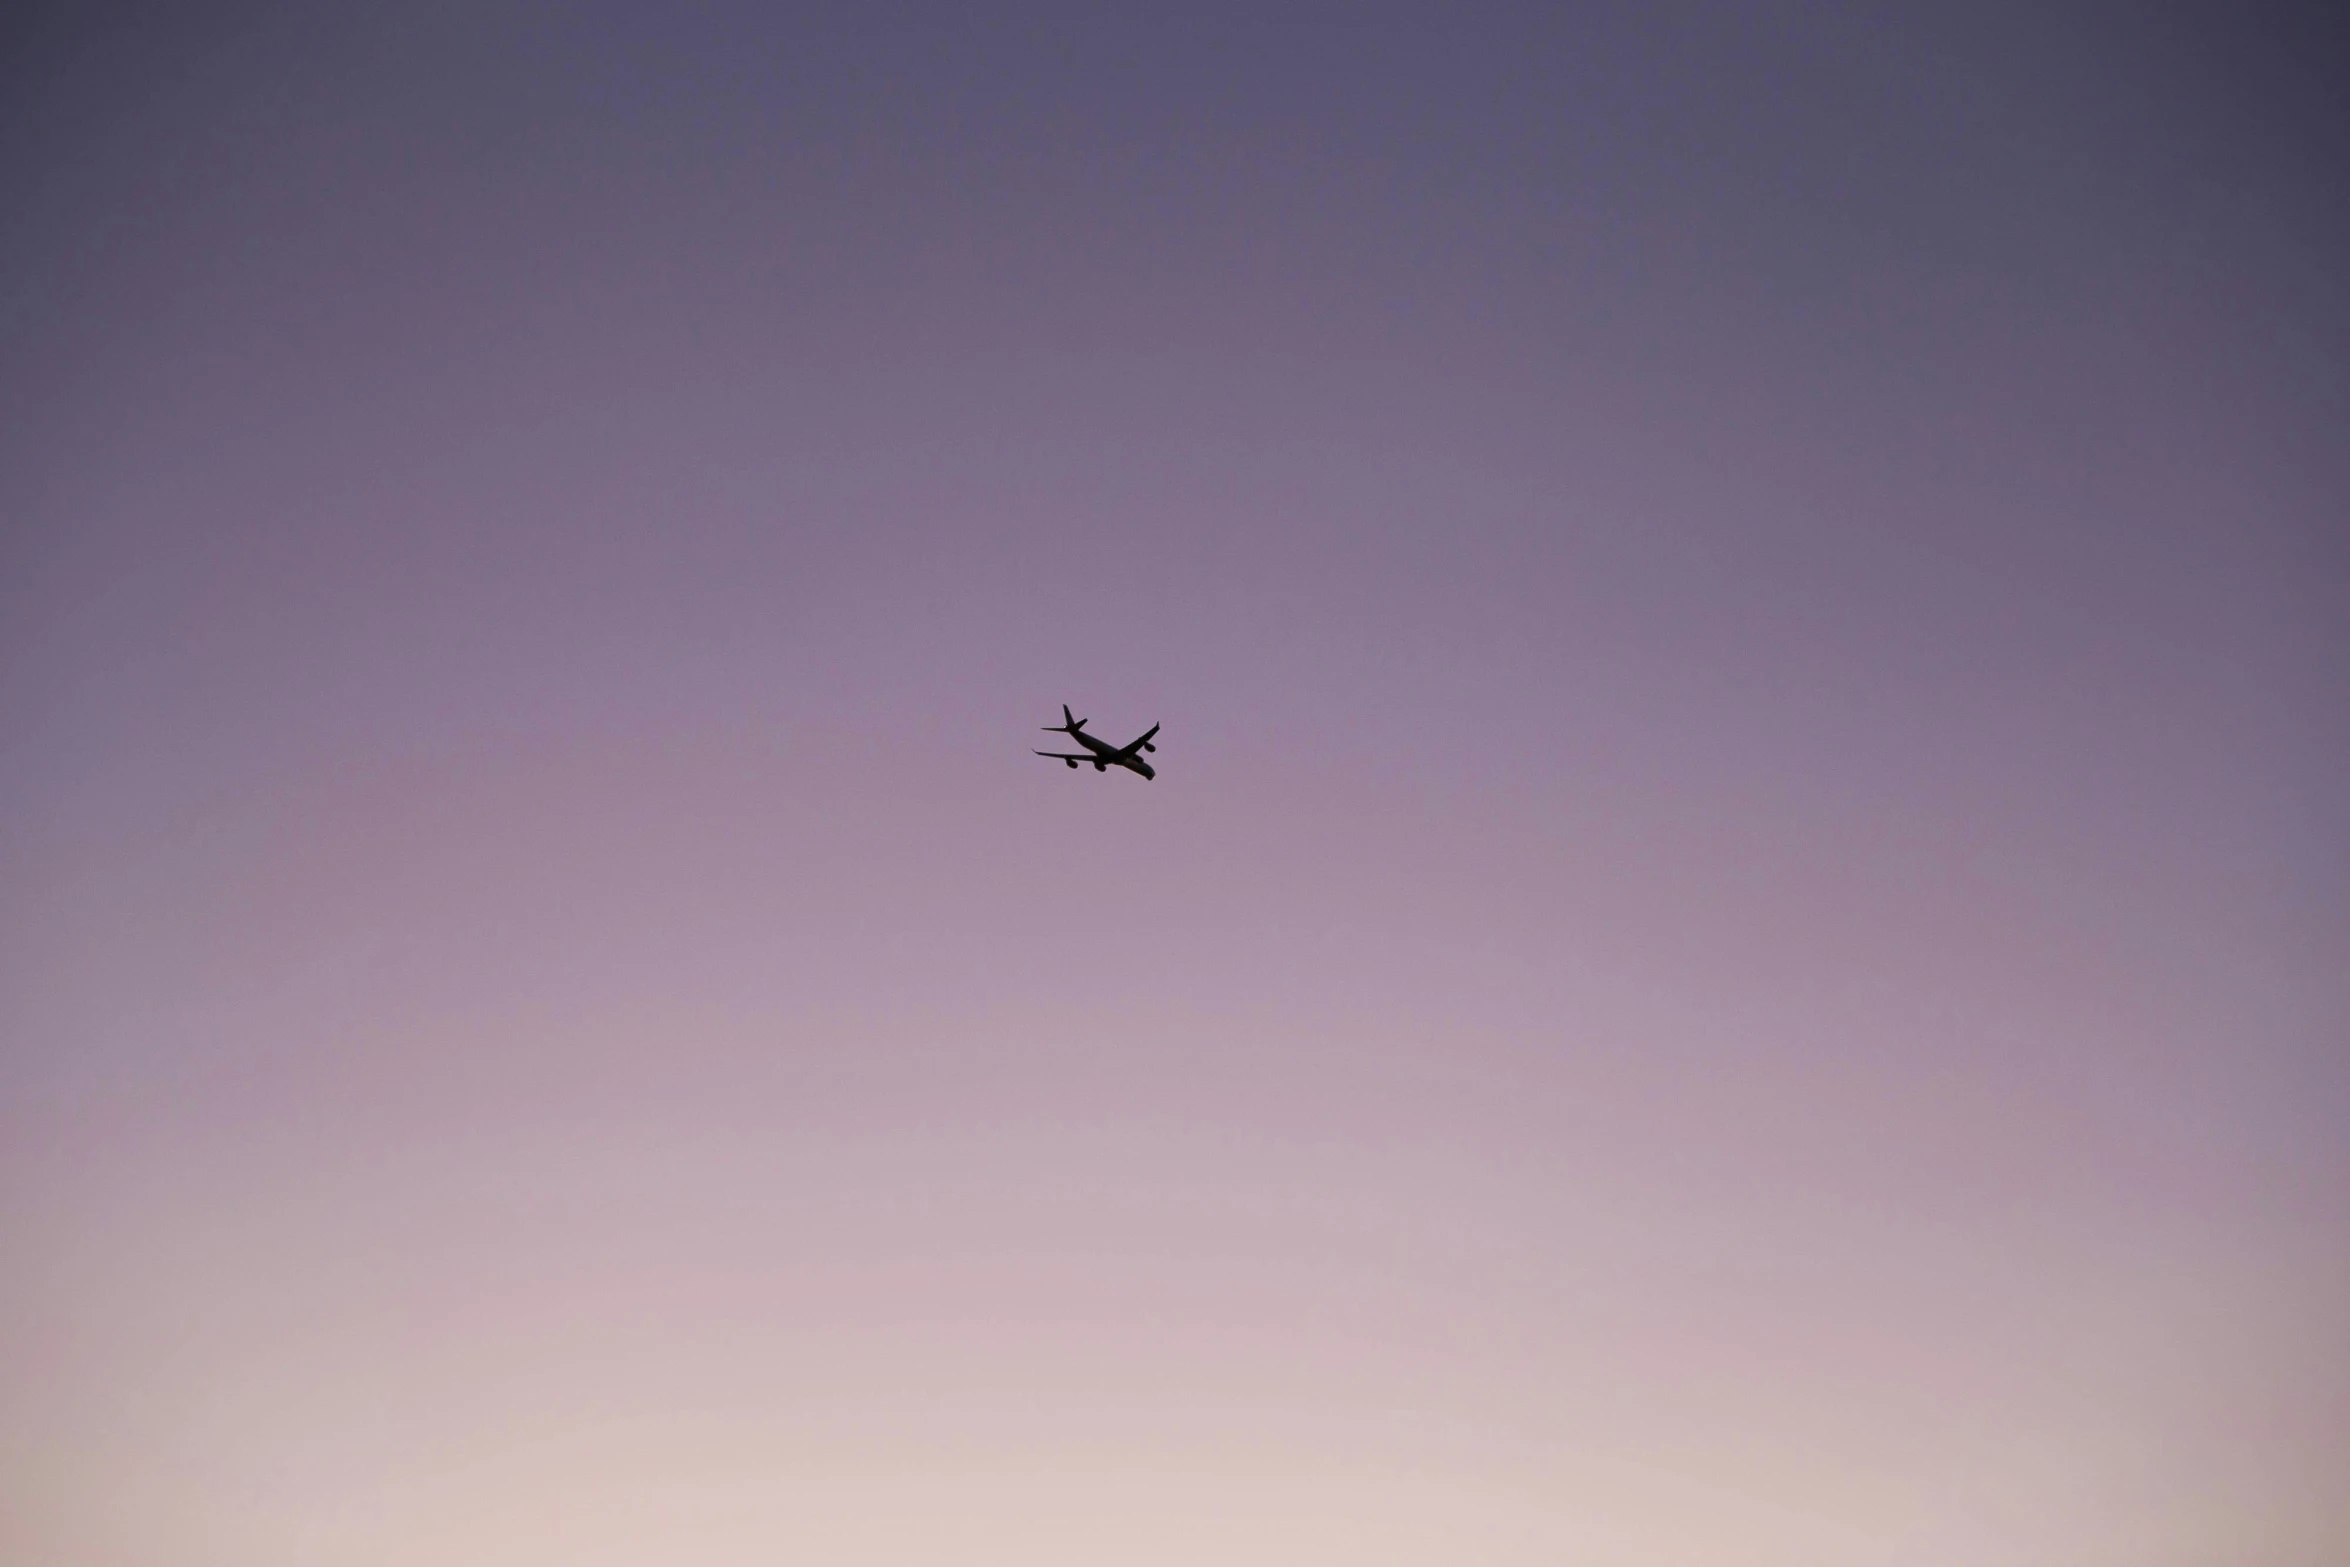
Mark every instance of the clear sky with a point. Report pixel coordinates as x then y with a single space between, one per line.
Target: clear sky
1738 955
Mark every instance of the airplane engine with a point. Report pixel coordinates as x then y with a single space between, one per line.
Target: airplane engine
1101 767
1146 745
1072 764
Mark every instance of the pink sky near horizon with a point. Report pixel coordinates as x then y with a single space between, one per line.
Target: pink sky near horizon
1737 955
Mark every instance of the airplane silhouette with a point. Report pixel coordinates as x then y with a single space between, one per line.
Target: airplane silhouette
1101 753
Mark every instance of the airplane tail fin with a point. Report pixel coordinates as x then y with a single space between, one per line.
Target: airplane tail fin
1069 724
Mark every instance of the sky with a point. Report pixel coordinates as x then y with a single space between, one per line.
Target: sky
1740 953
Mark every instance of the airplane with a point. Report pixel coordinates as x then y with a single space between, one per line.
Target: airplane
1101 753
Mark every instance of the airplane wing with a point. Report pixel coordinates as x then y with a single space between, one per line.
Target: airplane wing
1070 756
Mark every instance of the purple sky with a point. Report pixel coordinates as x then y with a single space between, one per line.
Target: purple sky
1738 955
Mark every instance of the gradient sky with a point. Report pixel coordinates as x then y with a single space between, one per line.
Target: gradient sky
1738 956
